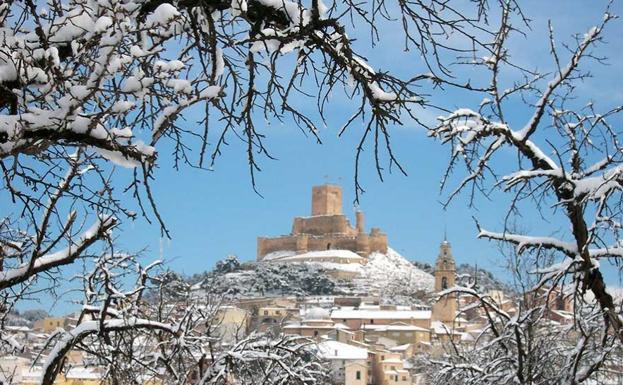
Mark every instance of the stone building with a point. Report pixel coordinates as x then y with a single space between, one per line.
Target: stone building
445 309
326 229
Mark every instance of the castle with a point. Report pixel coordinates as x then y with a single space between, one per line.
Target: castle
327 236
327 232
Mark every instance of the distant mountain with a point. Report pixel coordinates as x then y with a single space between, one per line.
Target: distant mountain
465 275
389 276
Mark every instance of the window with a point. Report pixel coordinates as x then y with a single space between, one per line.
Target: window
265 312
371 321
278 312
444 283
358 375
315 333
404 378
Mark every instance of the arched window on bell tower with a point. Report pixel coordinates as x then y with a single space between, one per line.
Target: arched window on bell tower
444 283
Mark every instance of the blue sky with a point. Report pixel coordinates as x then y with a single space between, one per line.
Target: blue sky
215 213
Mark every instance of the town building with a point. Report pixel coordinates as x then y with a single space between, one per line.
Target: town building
349 363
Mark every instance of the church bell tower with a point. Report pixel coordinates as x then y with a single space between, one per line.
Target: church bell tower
445 309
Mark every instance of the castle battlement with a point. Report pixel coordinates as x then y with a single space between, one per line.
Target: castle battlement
326 229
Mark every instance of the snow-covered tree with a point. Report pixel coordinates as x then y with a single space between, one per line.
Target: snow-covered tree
529 347
89 85
170 336
565 168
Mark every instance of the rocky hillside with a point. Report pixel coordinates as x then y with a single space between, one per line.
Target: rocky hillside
390 276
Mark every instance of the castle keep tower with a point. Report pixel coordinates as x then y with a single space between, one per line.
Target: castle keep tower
445 272
326 200
326 229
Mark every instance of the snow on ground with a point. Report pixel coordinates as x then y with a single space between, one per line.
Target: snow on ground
392 269
389 276
278 255
347 267
384 273
291 256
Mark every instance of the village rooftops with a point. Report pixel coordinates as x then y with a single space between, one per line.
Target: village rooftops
352 313
304 326
384 328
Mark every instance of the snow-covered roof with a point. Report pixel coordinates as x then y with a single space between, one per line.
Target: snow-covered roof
339 325
400 348
369 306
351 313
389 328
395 372
316 313
334 350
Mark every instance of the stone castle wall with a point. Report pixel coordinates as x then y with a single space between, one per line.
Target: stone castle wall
326 200
362 244
326 229
321 225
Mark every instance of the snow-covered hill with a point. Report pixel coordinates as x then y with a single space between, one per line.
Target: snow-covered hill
391 269
390 276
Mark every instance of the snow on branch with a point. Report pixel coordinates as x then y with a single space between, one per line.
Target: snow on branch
40 263
524 242
68 339
465 127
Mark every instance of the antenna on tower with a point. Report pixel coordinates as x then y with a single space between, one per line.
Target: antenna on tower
445 233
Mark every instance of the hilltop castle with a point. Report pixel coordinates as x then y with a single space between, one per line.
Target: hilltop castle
325 230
